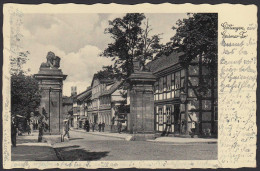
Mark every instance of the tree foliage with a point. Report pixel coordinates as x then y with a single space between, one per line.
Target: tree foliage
25 96
197 36
17 61
130 41
107 72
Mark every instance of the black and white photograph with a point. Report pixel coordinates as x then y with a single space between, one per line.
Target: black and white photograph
134 86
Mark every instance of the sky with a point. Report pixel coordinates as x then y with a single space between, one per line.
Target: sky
78 39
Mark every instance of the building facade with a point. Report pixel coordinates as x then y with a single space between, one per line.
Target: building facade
80 108
67 108
199 111
105 97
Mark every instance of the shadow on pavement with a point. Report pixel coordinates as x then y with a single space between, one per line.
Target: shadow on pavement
72 154
33 153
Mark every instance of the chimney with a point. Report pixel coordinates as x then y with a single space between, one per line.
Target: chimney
73 90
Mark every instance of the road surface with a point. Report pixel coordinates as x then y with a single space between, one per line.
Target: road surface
86 147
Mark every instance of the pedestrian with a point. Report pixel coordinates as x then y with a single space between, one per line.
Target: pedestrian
28 128
41 128
87 125
93 126
13 131
112 124
99 126
66 129
119 126
103 126
168 125
36 125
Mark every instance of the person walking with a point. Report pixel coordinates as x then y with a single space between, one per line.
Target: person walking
93 126
36 125
119 126
41 128
66 129
112 124
103 126
28 128
13 132
168 126
99 126
87 125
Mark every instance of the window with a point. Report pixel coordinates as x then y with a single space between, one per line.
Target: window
173 86
156 90
168 82
161 85
177 80
160 116
164 87
168 113
161 88
183 73
182 82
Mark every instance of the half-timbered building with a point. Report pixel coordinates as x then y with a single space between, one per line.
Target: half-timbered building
198 112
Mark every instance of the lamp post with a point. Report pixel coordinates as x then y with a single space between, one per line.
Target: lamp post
183 98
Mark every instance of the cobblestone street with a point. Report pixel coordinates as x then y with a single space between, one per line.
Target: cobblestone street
84 146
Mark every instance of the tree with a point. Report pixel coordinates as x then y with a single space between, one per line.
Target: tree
25 95
131 42
197 36
107 72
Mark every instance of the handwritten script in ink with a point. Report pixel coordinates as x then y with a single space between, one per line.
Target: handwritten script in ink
237 88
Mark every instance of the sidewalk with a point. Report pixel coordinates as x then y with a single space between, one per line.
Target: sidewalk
172 140
179 140
29 149
106 134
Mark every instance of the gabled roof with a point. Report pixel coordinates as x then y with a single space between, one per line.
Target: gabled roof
113 88
107 81
164 62
84 95
102 81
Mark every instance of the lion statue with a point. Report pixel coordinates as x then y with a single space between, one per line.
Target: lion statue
52 61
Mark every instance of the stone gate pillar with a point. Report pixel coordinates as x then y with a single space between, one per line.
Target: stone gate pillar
141 118
50 80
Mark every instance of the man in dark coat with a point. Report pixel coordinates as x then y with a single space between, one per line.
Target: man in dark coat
119 126
93 126
99 126
66 129
103 126
87 125
13 132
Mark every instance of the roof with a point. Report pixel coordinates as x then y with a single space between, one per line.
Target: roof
164 62
113 88
102 80
106 81
84 95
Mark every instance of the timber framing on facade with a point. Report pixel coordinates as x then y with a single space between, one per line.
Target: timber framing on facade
172 79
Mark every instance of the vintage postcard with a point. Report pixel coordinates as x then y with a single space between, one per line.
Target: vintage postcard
129 86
